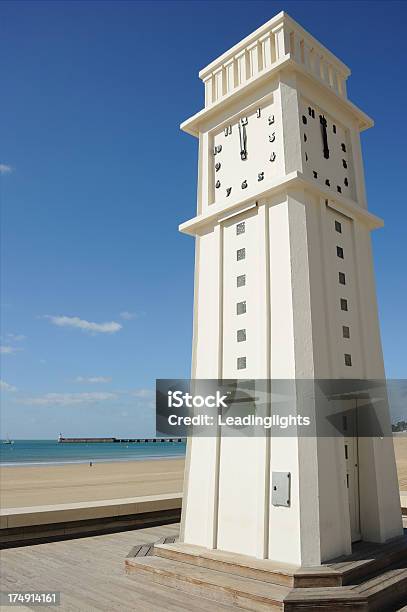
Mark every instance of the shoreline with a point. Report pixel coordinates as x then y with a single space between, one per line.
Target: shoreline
20 464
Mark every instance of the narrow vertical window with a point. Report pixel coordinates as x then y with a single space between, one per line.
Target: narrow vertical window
241 254
344 304
241 335
240 308
241 280
348 359
339 252
240 228
342 278
338 227
241 363
345 331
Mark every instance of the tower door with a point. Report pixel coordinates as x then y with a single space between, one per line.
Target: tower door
352 472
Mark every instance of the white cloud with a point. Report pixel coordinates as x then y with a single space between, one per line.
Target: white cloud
5 169
6 387
67 399
128 316
93 379
16 337
143 393
8 350
110 327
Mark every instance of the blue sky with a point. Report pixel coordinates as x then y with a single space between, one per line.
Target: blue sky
97 283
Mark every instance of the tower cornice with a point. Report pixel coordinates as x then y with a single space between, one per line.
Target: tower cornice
293 181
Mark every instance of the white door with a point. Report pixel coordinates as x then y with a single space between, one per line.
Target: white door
352 472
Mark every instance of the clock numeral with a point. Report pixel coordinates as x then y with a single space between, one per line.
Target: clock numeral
260 176
228 130
218 148
271 119
228 191
272 137
328 183
346 182
214 150
244 184
217 166
273 157
258 113
217 184
244 121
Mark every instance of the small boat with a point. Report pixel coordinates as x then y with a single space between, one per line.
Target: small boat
8 441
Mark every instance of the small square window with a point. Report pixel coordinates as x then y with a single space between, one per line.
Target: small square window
241 363
344 304
241 280
342 278
240 228
241 254
240 308
345 331
339 252
241 335
338 227
348 359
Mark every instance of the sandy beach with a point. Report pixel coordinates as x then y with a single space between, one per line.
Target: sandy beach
59 484
400 448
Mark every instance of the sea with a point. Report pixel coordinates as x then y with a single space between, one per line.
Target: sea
50 452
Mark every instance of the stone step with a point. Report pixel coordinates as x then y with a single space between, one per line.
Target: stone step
221 587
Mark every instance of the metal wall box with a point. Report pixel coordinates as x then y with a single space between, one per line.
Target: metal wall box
280 491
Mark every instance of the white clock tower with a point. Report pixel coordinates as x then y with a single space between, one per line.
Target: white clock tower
284 289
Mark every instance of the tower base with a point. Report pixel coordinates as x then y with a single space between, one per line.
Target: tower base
373 577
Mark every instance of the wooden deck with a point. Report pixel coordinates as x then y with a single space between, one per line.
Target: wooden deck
89 573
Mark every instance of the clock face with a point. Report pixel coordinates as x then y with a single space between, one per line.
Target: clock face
326 150
245 153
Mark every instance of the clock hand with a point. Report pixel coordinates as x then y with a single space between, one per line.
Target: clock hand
242 138
324 136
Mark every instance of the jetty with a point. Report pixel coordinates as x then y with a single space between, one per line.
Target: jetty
63 440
